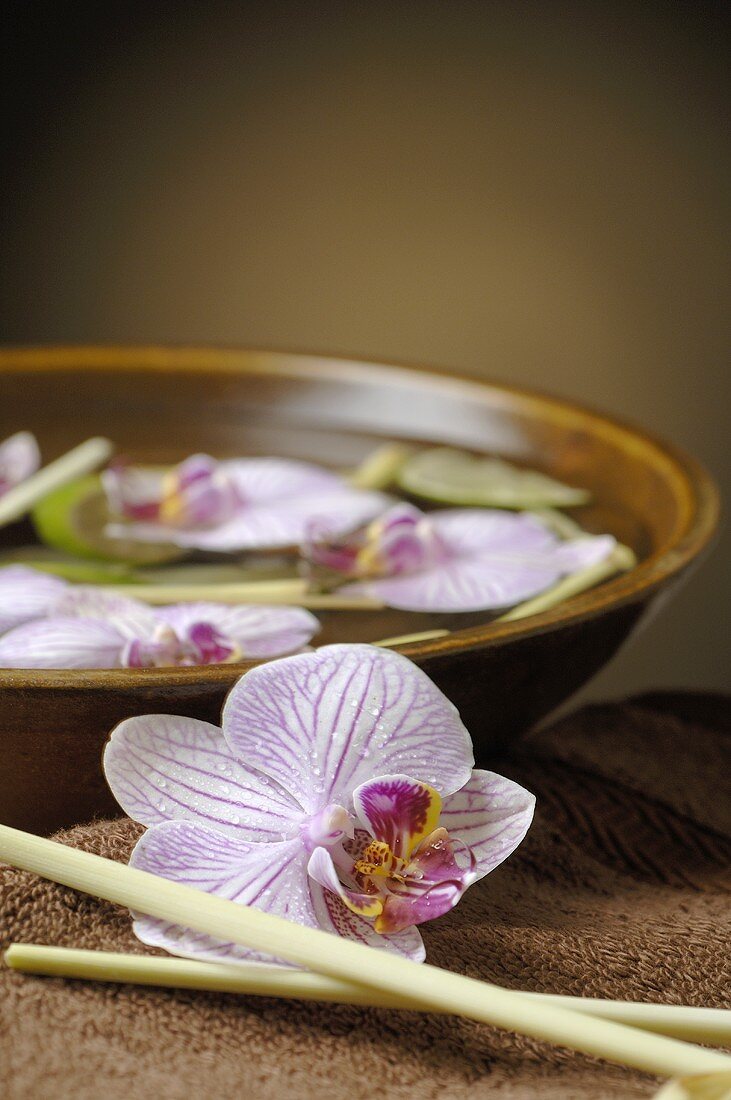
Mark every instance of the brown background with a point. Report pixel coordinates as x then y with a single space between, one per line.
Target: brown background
531 192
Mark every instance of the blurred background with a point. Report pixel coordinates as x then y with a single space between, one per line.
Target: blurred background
530 192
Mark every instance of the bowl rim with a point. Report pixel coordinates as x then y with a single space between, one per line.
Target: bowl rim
694 490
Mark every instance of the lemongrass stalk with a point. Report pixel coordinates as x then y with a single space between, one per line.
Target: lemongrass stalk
378 470
618 561
336 957
287 591
708 1025
701 1086
698 1025
88 456
407 639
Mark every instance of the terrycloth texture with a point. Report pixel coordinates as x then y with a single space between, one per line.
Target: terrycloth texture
618 891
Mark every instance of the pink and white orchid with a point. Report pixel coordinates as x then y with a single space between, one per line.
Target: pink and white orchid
80 627
467 559
236 504
339 793
19 458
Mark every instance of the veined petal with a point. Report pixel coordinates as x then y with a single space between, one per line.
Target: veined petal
402 911
432 884
321 723
477 531
464 584
132 618
59 642
161 767
284 523
26 594
260 480
490 815
257 631
271 877
333 915
398 810
322 869
19 458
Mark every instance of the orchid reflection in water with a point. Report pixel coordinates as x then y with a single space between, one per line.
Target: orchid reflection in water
51 624
19 458
466 559
339 793
236 504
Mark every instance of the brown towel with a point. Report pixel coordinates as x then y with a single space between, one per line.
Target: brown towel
620 890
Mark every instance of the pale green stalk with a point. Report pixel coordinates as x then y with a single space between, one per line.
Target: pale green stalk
288 591
619 561
380 468
707 1025
85 458
407 639
427 986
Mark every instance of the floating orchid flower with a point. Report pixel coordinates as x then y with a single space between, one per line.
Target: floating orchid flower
339 793
237 504
470 559
84 628
19 458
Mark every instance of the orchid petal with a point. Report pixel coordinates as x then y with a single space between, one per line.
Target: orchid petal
460 585
490 560
161 767
282 524
133 490
580 553
61 643
261 480
490 815
478 531
19 458
322 869
132 618
26 594
403 911
320 723
271 877
257 631
432 884
398 810
333 915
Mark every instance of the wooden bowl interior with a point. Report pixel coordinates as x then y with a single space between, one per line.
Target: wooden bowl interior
159 405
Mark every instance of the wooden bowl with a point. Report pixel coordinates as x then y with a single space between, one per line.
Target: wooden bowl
159 404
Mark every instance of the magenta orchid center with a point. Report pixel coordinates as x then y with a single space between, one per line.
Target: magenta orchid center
402 541
397 865
198 493
200 644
